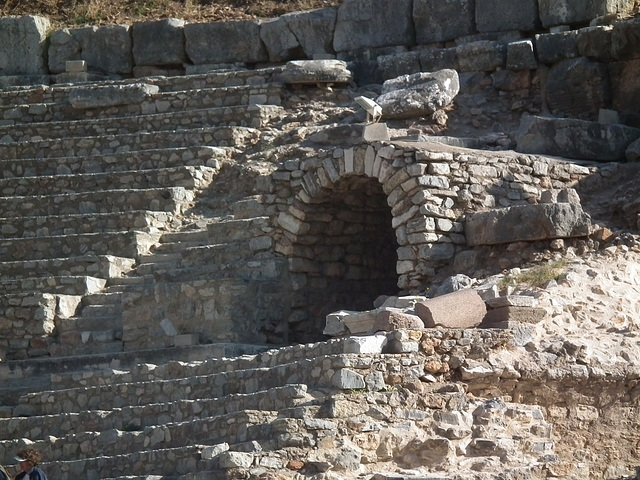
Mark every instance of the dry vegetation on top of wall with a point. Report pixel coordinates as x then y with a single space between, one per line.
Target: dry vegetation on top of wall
75 13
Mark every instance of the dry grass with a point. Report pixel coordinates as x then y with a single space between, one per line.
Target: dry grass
73 13
537 276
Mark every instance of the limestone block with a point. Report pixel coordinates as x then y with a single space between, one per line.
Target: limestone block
481 56
570 12
443 21
373 23
432 59
572 138
500 317
231 459
224 42
346 379
22 45
334 325
524 223
213 451
554 47
595 42
279 40
159 42
316 71
313 29
111 95
460 309
368 344
625 87
520 55
418 94
498 15
577 88
625 41
382 319
396 64
106 49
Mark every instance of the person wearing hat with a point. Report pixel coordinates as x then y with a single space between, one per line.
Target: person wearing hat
29 460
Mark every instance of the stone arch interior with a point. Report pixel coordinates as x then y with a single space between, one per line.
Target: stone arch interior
351 248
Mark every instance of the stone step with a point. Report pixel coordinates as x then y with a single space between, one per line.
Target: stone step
130 244
234 267
255 116
74 224
173 200
98 313
115 162
62 285
59 93
186 177
101 266
110 144
103 298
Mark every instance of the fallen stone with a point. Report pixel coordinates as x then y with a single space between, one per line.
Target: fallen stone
381 320
418 94
571 138
502 317
512 301
316 71
334 325
461 309
111 95
524 223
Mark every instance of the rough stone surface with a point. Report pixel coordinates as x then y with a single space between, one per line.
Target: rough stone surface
443 21
316 71
101 97
159 42
566 12
496 16
527 223
461 309
22 45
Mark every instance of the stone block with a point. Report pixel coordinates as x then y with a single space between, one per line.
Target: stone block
554 47
368 344
394 65
359 24
313 30
606 115
501 316
443 21
572 138
224 42
595 42
625 41
460 309
481 56
22 45
376 132
498 15
625 88
521 56
111 95
578 88
346 379
280 42
186 340
106 49
572 12
433 59
381 320
525 223
159 42
316 71
75 66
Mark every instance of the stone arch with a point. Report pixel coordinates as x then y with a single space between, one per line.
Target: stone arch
354 230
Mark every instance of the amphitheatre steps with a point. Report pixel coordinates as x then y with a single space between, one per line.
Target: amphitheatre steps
223 136
101 266
125 161
255 116
61 285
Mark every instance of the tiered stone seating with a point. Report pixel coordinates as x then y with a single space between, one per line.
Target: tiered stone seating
83 182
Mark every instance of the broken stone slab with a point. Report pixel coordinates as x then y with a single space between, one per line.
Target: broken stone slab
381 320
224 42
571 12
572 138
159 42
460 309
443 21
502 317
106 49
372 23
316 71
418 94
111 95
577 88
512 301
22 45
525 223
368 344
334 323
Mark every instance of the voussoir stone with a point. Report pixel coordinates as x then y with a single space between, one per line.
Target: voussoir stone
418 94
459 309
524 223
573 138
22 41
316 71
111 95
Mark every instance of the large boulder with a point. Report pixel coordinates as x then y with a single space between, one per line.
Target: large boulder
106 49
443 21
159 42
224 42
460 309
373 23
578 88
527 223
572 12
572 138
22 45
418 94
